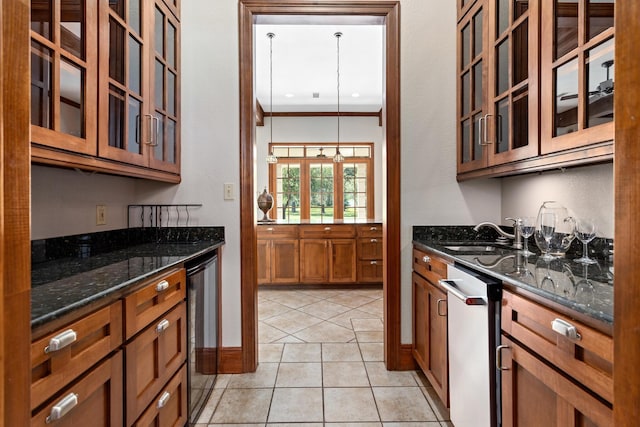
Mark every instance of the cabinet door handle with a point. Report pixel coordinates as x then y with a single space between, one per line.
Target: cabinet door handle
485 136
162 325
480 130
374 240
156 130
327 229
163 399
61 340
426 258
499 358
270 229
374 262
150 141
566 329
138 126
163 285
373 229
61 408
440 313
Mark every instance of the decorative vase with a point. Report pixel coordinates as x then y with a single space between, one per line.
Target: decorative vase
265 203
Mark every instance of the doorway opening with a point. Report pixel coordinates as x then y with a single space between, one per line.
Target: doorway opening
396 356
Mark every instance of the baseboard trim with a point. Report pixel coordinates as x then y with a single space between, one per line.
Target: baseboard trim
407 363
230 361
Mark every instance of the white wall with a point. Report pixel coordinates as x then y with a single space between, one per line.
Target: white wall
320 129
585 191
210 137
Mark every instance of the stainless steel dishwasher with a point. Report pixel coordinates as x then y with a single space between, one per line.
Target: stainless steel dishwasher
202 323
473 321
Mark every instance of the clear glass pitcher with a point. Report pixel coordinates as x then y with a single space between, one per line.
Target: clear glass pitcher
555 229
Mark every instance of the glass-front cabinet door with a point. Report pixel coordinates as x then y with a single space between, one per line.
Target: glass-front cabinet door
577 73
472 130
124 123
64 69
165 153
513 76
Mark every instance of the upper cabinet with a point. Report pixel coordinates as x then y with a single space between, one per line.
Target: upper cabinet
535 85
577 73
105 91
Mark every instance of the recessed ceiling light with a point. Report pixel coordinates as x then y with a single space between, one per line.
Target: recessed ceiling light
289 95
355 95
316 94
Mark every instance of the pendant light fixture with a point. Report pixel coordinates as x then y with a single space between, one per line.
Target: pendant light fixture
271 158
338 158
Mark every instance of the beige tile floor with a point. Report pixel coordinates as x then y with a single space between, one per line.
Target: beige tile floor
321 363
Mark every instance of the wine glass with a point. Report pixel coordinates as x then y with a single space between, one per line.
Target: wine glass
585 232
527 226
547 229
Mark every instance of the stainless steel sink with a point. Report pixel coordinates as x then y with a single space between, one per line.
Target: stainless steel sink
471 248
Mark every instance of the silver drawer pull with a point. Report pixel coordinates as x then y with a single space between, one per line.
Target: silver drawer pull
270 229
327 229
374 262
373 229
374 240
426 258
164 324
163 285
61 408
61 340
164 399
566 329
499 366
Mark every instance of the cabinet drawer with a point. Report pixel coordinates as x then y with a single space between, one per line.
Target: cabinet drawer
97 402
152 358
429 266
369 230
80 345
278 231
329 231
369 248
169 408
147 304
370 271
588 359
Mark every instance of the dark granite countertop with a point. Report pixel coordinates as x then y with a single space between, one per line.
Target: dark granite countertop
585 289
62 285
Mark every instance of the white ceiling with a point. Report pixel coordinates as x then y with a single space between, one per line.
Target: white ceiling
305 61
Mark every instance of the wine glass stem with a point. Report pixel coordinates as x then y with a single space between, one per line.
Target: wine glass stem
585 254
524 241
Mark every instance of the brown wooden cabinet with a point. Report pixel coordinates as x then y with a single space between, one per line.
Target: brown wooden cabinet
170 405
278 254
327 253
122 57
369 250
430 320
535 85
94 400
549 378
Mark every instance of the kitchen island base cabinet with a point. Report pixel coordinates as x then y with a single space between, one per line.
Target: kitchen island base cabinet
95 400
534 394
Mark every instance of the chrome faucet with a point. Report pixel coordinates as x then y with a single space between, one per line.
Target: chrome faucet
517 240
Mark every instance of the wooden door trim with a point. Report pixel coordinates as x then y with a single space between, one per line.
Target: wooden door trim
389 10
626 373
15 250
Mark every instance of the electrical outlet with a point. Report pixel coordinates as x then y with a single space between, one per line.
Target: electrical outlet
101 215
228 191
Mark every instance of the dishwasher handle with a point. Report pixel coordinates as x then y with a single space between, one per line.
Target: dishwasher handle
450 286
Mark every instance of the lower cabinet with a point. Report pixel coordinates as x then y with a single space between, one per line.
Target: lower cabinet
370 259
555 371
430 321
169 408
328 261
152 358
534 394
278 254
94 400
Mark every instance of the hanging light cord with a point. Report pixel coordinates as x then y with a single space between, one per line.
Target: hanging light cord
338 156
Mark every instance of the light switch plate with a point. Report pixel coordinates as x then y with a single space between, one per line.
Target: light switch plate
229 191
101 215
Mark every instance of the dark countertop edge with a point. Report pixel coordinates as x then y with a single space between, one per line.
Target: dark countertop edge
599 320
108 296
